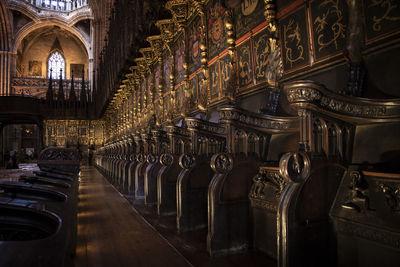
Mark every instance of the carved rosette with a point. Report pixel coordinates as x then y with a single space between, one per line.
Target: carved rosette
166 159
295 167
222 163
187 161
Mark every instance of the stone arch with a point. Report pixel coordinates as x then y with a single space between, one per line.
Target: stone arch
30 27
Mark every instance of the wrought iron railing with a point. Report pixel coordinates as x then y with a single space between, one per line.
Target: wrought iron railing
59 5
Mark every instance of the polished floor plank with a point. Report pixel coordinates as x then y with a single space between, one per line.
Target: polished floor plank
112 233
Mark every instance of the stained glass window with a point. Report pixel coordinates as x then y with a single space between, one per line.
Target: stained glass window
56 63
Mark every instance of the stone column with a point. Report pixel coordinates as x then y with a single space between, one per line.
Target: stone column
5 72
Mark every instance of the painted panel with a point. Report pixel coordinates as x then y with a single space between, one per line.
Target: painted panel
167 72
261 51
179 60
245 65
194 45
249 14
226 69
214 73
157 74
216 28
294 40
194 87
382 17
35 68
329 23
149 89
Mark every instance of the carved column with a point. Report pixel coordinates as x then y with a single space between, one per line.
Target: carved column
305 130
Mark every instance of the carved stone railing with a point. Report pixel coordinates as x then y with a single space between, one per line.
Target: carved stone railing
37 87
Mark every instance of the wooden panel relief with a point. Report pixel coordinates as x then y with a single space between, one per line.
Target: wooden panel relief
249 14
214 75
294 40
225 70
245 65
167 72
382 17
329 22
216 28
261 51
194 45
179 60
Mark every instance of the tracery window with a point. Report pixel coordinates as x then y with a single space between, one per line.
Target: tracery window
56 63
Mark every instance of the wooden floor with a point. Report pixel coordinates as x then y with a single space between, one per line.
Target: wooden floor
112 233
